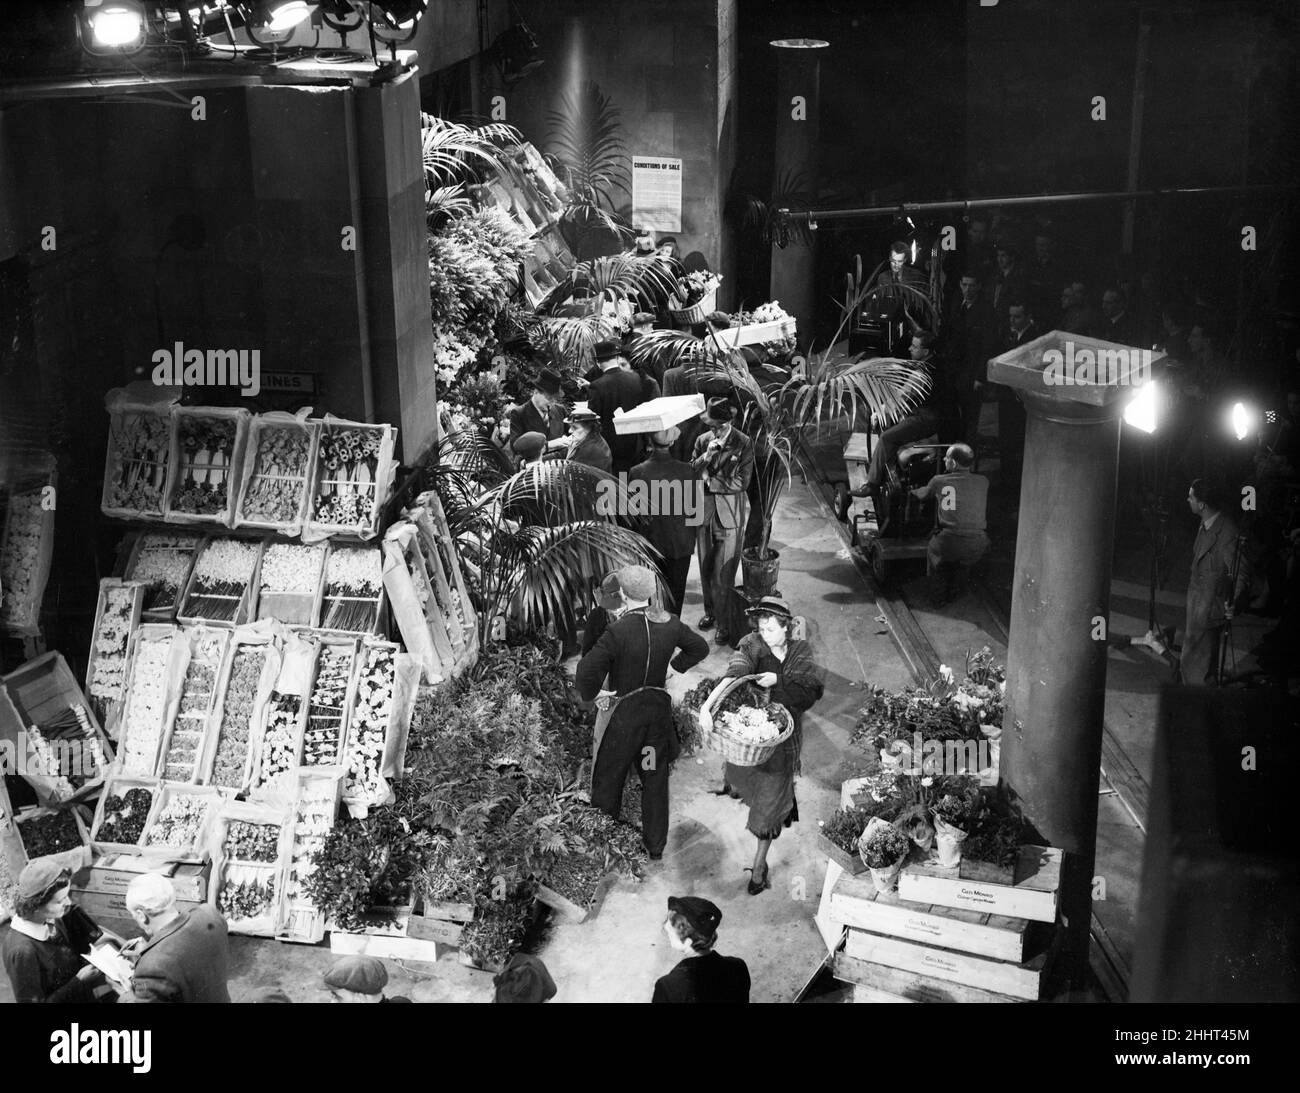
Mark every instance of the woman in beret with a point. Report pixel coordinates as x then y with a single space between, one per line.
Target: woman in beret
42 951
785 667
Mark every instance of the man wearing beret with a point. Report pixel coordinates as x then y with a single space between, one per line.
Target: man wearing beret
724 459
359 979
616 388
635 729
704 975
542 413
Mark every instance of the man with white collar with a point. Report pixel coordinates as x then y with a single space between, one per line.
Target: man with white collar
1211 592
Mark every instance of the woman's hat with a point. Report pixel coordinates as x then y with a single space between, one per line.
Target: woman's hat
548 382
771 605
702 914
39 877
607 349
581 413
720 409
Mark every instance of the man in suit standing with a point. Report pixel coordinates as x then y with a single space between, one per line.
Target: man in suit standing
616 388
970 339
674 493
1009 283
1211 591
1021 329
703 975
1119 326
186 957
724 460
542 413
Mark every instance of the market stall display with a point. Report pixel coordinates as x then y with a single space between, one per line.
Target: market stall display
139 454
250 845
352 591
207 447
277 469
351 479
162 561
121 815
247 678
380 718
57 833
222 584
178 825
323 736
315 808
117 613
280 745
289 582
26 546
185 745
152 661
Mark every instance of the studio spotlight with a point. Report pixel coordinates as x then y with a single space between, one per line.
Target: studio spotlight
1143 410
400 14
271 23
112 26
1243 419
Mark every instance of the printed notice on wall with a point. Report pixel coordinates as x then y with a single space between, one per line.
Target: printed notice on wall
657 193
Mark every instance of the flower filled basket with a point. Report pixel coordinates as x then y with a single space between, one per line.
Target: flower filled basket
289 582
247 678
156 665
57 834
122 814
26 546
162 561
222 583
275 484
353 473
177 828
250 845
206 453
139 455
743 732
699 295
187 741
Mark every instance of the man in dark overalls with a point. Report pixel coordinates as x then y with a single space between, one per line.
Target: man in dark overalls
635 653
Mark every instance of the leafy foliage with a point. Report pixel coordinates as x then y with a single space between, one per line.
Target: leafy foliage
587 145
845 828
455 156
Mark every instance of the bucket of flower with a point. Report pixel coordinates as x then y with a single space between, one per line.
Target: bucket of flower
244 688
353 473
350 598
289 582
222 584
276 477
883 849
742 724
250 845
162 561
838 838
207 448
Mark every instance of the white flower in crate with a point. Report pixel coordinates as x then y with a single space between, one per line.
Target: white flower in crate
142 721
291 567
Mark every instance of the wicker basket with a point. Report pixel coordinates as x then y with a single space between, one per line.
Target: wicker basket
739 752
685 316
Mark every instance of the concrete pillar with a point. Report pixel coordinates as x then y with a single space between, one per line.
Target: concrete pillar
1056 655
797 108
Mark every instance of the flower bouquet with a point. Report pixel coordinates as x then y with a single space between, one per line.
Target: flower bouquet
955 809
122 814
741 724
186 743
116 615
207 445
179 824
28 538
353 589
162 563
139 453
354 470
883 849
246 895
289 582
251 673
277 472
322 739
219 588
145 715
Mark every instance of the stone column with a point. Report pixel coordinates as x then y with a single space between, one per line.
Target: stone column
1056 656
797 106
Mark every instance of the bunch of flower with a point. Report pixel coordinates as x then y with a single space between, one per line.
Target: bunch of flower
884 846
321 738
479 399
207 449
349 458
280 741
246 894
163 562
749 725
124 816
770 312
197 693
142 720
452 355
291 567
51 833
371 711
180 823
20 561
956 801
279 482
138 467
236 715
353 581
221 577
695 286
108 676
251 842
343 446
845 828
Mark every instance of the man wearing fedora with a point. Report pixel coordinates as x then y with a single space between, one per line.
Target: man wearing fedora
671 531
724 460
703 975
616 388
542 413
586 445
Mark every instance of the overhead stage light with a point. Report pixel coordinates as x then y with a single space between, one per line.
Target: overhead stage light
112 26
271 23
400 14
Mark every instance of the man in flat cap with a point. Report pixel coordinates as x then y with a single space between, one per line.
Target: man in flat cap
724 459
524 979
703 975
359 979
635 653
187 956
673 492
542 413
616 388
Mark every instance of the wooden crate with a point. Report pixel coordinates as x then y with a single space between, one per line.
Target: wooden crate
178 542
1034 895
118 787
855 902
110 876
909 985
22 617
112 906
244 606
756 333
1020 980
374 617
384 947
850 863
871 994
107 707
292 608
562 904
428 928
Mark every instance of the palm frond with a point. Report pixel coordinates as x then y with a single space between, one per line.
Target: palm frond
661 350
571 342
838 385
562 492
586 140
453 152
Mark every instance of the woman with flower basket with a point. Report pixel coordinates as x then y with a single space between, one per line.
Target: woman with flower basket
783 670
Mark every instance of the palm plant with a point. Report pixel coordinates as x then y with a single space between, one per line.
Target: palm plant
587 145
455 156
